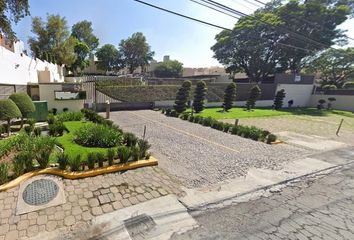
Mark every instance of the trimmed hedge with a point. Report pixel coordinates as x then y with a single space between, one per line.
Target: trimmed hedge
254 133
23 102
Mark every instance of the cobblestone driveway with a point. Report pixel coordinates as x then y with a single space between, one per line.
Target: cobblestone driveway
85 198
312 209
200 156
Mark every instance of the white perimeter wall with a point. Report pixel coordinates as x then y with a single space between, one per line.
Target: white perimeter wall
343 102
300 93
46 93
17 69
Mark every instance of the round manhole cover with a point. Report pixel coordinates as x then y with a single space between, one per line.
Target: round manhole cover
40 192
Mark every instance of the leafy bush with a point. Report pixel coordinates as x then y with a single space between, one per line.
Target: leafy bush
234 130
98 135
163 111
191 118
91 160
123 154
255 133
198 119
28 129
24 103
50 118
329 87
94 117
31 122
111 154
130 139
100 158
43 147
4 169
56 129
63 161
184 116
37 131
8 111
144 146
218 125
54 111
65 109
27 159
227 127
70 116
209 121
75 163
271 138
135 152
348 85
18 166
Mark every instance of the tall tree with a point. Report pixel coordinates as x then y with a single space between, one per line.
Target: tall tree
12 11
199 96
84 32
52 40
136 52
109 58
182 97
229 96
334 66
82 51
171 68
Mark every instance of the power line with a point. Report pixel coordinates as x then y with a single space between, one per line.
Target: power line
215 9
181 15
207 23
307 21
302 36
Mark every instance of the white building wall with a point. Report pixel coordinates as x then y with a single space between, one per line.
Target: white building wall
343 102
20 69
300 93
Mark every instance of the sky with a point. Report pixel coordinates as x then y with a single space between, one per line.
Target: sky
183 40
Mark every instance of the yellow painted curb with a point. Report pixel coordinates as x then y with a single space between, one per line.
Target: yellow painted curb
276 142
83 174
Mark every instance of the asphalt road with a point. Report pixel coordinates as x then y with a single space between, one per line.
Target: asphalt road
314 208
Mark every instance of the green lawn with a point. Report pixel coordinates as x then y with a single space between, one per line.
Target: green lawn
70 147
234 113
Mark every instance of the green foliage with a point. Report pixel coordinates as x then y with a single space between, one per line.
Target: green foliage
4 171
279 98
182 97
321 101
329 87
111 154
97 135
56 129
129 139
12 11
254 95
144 146
169 69
135 153
31 122
37 131
70 116
18 166
84 33
198 119
227 127
50 118
218 125
335 67
271 138
75 163
185 116
91 160
100 158
28 129
199 96
348 85
23 102
229 96
135 51
332 99
124 154
26 157
9 110
209 121
52 41
109 58
43 147
63 160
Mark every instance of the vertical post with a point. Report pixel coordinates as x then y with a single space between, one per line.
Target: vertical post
108 109
340 125
144 132
236 122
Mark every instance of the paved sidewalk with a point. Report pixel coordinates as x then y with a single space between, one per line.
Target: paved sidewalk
85 199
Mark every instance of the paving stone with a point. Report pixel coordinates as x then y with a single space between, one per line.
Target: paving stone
107 208
104 191
72 198
141 198
96 211
42 220
155 194
32 222
83 202
51 226
86 216
41 228
113 189
11 235
23 224
88 194
96 193
9 200
103 199
148 195
32 231
76 210
139 190
126 203
162 191
111 197
5 213
93 202
32 215
66 206
69 220
59 215
4 228
22 233
117 205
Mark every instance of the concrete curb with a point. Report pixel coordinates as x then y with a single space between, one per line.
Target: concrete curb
77 175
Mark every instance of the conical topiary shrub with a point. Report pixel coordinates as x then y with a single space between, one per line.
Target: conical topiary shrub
199 96
254 95
229 96
182 97
8 111
24 103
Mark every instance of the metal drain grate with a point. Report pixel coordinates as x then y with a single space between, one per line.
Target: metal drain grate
40 192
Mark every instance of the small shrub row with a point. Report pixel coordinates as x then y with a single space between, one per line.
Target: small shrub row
92 116
70 116
252 132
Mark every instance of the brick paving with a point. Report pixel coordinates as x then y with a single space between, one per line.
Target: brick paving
85 199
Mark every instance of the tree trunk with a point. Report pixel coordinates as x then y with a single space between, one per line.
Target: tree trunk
21 123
